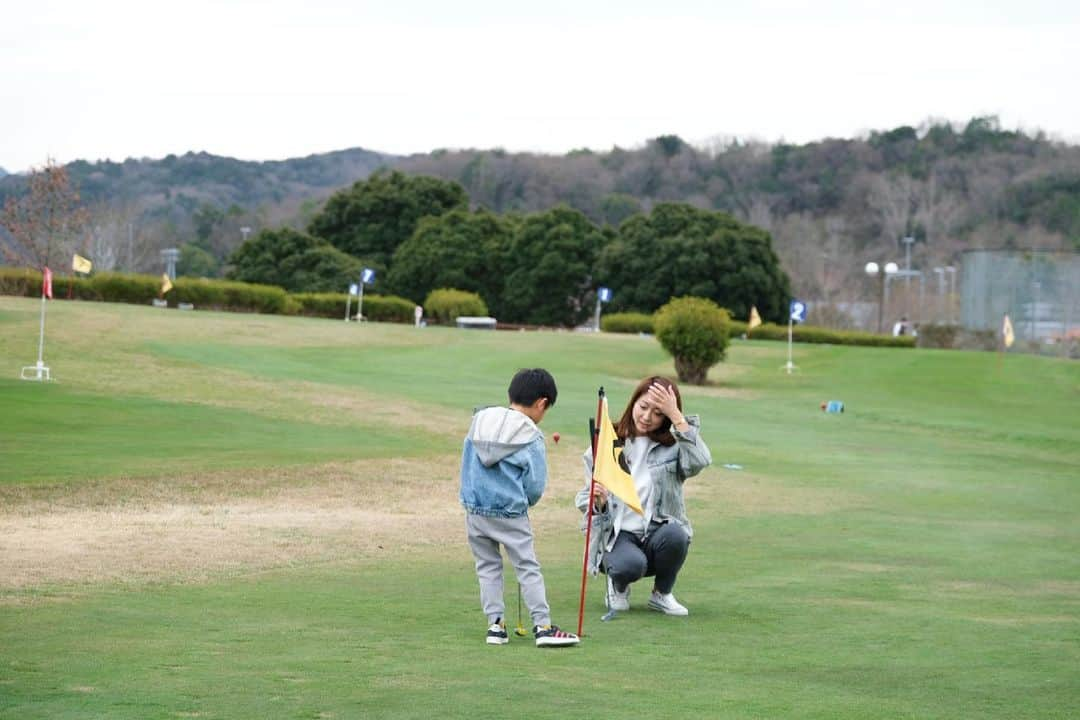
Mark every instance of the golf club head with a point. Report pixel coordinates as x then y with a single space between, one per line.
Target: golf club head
520 631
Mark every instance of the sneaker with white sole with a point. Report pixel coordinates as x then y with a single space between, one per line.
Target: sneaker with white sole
666 603
552 636
496 634
617 600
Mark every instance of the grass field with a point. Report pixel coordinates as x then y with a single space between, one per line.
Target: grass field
239 516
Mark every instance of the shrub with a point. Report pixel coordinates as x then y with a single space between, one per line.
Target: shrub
628 322
695 332
820 335
445 305
938 336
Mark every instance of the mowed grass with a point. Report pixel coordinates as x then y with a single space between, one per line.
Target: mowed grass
916 557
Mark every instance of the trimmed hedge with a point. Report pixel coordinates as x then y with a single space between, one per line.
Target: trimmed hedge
628 322
379 308
445 305
826 336
227 295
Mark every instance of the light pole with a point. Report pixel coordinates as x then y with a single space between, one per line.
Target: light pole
245 231
873 270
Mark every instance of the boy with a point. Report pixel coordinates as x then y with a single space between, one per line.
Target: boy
503 474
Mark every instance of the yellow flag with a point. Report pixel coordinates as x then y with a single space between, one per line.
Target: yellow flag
755 319
1007 332
166 283
607 471
81 264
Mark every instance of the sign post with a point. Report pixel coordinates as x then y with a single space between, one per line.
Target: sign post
603 295
366 278
796 314
348 300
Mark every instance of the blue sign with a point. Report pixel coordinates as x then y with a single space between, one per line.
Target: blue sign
798 311
604 294
368 276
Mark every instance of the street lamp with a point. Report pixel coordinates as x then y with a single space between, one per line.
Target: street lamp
244 231
873 270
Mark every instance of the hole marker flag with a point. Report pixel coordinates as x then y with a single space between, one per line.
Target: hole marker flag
166 283
80 264
607 471
46 283
1007 332
755 319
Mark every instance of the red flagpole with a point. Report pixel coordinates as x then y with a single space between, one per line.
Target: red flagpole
593 431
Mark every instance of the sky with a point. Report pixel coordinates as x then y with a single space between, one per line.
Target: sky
269 79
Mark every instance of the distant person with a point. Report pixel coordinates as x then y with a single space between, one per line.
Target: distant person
901 327
662 448
503 474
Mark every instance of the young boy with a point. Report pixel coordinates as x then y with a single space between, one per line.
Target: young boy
503 474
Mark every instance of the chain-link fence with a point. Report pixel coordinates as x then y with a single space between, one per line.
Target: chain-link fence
1039 290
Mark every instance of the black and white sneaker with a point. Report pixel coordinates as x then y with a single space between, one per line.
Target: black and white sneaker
496 634
552 636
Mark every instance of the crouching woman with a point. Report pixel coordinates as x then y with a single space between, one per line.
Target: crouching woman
662 448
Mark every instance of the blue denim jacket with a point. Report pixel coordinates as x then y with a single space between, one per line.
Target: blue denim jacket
503 464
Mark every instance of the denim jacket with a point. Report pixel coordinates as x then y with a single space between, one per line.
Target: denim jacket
669 467
503 464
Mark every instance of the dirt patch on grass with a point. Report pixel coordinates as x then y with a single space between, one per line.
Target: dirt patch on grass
196 527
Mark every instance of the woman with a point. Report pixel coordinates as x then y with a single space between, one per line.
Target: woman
662 448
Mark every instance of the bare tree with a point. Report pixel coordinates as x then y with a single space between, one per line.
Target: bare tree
45 221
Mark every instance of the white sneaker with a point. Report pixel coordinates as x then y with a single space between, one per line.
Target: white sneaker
667 604
617 600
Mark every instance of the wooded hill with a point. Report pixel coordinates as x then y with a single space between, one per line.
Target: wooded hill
830 205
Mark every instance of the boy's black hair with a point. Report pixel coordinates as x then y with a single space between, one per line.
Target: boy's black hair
528 386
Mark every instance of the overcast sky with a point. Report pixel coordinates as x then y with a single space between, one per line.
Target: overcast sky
267 80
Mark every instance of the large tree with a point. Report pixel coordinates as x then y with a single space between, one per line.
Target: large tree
46 222
548 269
373 217
295 261
681 250
460 250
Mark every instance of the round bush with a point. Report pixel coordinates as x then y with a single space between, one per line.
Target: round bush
694 331
628 322
447 304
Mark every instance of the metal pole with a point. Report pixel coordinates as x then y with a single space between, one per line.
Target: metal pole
41 337
885 290
881 303
597 313
348 304
360 303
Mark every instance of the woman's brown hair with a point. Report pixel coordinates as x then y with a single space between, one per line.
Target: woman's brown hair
624 428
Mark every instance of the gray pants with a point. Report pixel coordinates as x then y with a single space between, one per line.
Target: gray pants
485 535
661 554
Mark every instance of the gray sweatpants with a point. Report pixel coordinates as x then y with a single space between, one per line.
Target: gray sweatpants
485 535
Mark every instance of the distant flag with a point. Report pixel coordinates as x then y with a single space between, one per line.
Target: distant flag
755 319
46 283
80 264
166 283
607 470
1007 332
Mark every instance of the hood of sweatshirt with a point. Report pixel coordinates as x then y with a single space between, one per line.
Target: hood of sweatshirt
498 432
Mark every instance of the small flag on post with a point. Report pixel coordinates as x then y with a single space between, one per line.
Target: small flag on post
80 264
166 283
46 283
754 320
1007 332
608 471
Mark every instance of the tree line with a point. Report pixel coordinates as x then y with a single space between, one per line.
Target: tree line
420 234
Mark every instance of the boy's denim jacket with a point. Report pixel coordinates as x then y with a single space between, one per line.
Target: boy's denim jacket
503 464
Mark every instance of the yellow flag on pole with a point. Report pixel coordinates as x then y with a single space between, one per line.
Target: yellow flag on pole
166 283
607 470
755 319
1007 332
81 264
